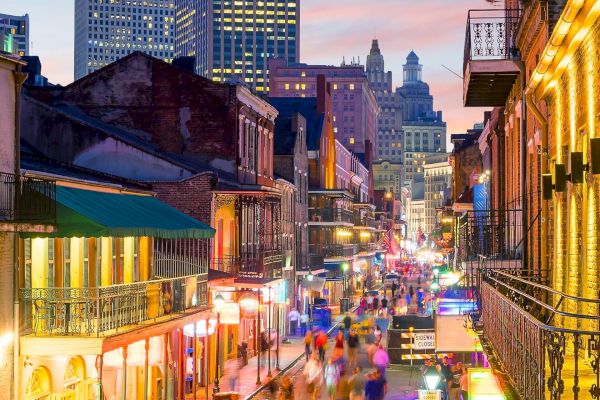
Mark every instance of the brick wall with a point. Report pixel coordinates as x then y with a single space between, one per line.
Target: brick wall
192 196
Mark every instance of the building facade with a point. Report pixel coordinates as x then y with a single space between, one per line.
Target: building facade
387 176
14 34
106 31
438 183
354 106
235 40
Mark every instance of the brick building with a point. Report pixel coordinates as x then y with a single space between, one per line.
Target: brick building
353 105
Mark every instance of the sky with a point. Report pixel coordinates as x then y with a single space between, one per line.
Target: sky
329 31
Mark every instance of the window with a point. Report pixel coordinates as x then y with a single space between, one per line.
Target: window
86 262
287 86
335 86
66 262
351 140
50 255
352 86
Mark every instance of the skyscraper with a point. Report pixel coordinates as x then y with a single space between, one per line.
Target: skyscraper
233 40
14 34
108 30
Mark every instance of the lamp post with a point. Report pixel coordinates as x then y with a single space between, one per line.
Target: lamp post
218 302
345 267
269 326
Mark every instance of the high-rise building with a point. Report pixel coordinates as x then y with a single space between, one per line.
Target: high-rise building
233 40
108 30
354 106
14 34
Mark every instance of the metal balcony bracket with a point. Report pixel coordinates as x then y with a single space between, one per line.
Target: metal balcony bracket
551 316
594 356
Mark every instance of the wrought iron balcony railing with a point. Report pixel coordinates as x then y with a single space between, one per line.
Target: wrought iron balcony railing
330 215
547 342
365 221
104 311
368 247
334 250
27 200
491 35
267 264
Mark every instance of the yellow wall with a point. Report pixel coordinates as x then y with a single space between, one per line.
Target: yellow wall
226 213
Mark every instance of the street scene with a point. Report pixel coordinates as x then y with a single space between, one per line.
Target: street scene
299 200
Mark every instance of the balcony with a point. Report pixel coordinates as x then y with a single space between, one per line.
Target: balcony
328 216
491 57
368 247
267 264
106 311
311 262
364 221
546 341
345 251
25 200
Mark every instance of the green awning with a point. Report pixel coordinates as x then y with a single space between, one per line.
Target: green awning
90 213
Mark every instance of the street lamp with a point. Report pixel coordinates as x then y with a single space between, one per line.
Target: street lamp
218 303
345 267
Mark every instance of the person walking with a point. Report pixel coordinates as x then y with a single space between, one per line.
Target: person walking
293 318
454 385
357 384
320 343
286 389
347 323
304 323
332 377
308 339
313 372
446 375
464 382
376 386
353 345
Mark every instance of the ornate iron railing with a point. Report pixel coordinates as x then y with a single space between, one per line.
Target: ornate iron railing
266 264
547 351
368 247
27 200
181 257
491 35
112 309
330 215
334 250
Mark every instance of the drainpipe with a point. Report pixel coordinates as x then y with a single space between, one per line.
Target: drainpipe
19 77
544 164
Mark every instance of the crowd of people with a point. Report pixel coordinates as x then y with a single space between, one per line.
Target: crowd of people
340 377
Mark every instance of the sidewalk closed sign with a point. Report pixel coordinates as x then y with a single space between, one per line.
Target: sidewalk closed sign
430 395
423 341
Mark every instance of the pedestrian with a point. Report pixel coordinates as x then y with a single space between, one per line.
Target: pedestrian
378 334
381 360
375 303
347 322
304 323
308 339
394 288
232 372
343 388
286 389
339 340
353 345
332 377
320 343
464 382
384 303
445 374
313 372
376 386
293 318
454 385
357 384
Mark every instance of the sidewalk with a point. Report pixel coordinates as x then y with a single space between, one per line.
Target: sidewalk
246 385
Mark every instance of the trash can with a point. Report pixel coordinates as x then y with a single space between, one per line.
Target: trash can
344 304
227 396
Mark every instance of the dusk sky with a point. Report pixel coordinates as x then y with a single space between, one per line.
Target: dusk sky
330 30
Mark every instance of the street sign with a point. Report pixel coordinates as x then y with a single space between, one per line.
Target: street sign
430 395
423 341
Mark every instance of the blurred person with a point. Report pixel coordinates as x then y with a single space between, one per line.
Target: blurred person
454 384
357 384
353 346
347 322
332 377
320 344
464 382
293 318
304 320
232 372
339 340
376 386
313 372
308 339
343 388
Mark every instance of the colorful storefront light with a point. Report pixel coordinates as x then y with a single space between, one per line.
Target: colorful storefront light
202 328
483 385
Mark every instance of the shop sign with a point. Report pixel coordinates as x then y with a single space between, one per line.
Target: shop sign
424 341
230 314
430 395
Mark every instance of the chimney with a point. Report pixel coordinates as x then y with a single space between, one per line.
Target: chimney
323 95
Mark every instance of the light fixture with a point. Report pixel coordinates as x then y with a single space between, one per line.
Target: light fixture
218 302
436 271
310 276
432 379
345 266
